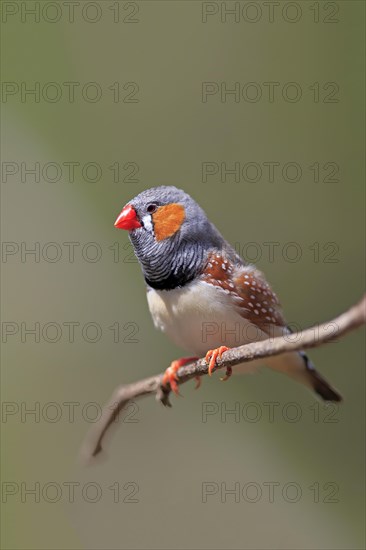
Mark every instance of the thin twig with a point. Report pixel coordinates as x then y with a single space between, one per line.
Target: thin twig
309 338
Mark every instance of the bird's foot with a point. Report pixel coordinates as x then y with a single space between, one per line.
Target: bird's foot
211 357
170 375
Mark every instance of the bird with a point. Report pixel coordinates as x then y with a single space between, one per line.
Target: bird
201 293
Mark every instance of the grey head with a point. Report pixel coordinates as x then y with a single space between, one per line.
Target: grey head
171 236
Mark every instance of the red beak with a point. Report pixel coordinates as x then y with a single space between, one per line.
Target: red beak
127 219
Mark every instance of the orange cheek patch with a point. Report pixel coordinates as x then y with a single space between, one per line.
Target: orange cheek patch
167 220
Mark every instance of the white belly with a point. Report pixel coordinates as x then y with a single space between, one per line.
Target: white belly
198 317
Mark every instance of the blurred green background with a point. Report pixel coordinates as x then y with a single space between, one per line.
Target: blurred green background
166 456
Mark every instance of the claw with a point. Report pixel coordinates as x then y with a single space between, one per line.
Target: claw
229 372
212 355
198 382
170 375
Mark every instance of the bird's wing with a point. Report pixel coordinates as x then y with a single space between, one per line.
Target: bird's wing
258 302
252 296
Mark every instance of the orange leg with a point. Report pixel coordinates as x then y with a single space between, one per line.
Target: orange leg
170 375
212 355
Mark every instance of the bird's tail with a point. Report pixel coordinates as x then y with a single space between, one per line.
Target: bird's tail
318 383
298 366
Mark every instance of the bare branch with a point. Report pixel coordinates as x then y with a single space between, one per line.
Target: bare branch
309 338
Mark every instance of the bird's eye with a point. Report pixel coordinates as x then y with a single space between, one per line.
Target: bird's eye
151 207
